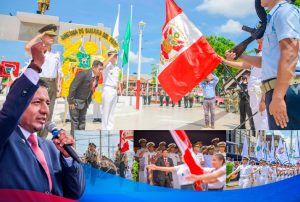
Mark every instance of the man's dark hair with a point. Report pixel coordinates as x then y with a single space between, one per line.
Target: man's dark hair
42 83
96 63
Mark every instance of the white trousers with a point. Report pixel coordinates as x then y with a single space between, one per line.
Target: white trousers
97 111
260 119
109 99
263 180
244 183
143 176
175 180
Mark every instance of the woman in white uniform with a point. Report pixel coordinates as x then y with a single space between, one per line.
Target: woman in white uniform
215 177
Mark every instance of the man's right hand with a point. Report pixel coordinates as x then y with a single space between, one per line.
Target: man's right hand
41 35
37 52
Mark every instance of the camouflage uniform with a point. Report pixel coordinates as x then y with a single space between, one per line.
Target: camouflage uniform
236 100
227 103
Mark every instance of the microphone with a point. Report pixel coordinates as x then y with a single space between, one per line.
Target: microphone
52 128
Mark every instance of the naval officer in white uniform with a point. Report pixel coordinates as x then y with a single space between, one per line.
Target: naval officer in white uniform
245 171
110 96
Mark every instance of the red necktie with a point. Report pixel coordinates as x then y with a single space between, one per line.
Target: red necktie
40 156
166 164
93 85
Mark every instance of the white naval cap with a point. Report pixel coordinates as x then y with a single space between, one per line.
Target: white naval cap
150 144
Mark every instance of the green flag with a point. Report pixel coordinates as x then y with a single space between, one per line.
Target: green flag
125 45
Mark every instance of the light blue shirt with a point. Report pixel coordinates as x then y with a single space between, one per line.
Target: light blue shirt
283 23
209 88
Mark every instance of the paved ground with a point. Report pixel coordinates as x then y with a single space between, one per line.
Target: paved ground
153 117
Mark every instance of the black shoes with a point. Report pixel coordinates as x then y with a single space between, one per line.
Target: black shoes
97 120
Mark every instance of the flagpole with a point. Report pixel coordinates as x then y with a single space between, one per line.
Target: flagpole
128 67
156 83
116 28
138 83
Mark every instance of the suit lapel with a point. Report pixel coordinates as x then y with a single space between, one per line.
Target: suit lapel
44 148
21 139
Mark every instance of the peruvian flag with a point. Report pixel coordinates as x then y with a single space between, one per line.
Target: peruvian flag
186 148
186 56
125 135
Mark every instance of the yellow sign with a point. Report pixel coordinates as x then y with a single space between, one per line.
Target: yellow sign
92 32
80 55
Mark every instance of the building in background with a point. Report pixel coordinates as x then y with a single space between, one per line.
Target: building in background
235 141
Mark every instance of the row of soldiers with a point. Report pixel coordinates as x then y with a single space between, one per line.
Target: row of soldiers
231 100
148 154
164 98
251 174
188 99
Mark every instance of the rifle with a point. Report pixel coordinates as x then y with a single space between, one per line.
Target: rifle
256 33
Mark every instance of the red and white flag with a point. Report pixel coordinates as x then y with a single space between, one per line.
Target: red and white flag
125 135
186 56
186 148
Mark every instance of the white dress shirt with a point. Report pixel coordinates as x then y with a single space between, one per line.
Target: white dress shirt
199 158
265 171
32 75
175 158
245 170
182 172
111 75
208 161
221 181
51 67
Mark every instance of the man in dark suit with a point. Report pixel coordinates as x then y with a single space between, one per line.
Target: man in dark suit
164 178
80 95
28 162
